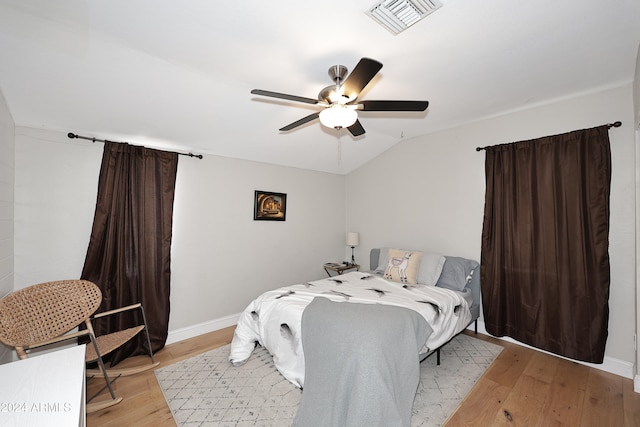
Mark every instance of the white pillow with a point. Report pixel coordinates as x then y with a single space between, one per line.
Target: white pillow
431 265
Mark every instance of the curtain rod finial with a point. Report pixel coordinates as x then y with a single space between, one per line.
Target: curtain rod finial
71 135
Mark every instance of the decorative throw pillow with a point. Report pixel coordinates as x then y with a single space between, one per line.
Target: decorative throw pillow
431 265
456 273
403 266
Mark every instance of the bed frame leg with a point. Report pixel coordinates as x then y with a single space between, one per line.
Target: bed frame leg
438 357
476 326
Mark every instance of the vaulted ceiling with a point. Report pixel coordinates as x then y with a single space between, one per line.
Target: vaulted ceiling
178 74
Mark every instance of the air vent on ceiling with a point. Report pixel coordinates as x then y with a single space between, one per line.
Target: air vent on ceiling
398 15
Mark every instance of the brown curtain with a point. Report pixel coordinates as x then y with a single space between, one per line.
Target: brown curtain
545 239
129 250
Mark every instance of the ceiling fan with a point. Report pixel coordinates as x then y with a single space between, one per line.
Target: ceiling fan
339 101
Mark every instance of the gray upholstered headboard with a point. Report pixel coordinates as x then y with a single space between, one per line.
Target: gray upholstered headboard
474 284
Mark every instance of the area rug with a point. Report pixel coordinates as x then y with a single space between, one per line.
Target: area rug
206 390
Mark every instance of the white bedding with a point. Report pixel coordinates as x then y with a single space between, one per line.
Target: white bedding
274 318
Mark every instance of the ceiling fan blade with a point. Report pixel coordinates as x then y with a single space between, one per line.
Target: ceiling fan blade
284 96
300 122
394 105
356 129
361 75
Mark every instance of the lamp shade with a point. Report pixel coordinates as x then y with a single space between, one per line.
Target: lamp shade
338 116
353 238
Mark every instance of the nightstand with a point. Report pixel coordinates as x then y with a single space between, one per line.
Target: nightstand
339 268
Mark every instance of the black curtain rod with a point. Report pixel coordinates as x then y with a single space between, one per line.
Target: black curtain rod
609 126
73 135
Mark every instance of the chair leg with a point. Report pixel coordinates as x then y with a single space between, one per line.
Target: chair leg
98 406
146 331
102 367
20 351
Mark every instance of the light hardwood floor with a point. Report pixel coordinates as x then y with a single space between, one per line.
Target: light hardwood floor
523 387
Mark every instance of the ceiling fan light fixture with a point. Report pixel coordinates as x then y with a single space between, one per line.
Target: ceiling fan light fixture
333 95
338 116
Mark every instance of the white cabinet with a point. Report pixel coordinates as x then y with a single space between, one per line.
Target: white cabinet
45 390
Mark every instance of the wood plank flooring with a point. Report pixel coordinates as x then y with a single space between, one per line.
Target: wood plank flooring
523 387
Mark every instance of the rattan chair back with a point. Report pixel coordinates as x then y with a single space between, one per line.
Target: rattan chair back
41 312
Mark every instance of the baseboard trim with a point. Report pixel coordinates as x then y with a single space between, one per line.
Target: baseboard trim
609 364
202 328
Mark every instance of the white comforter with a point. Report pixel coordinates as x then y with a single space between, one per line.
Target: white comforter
274 318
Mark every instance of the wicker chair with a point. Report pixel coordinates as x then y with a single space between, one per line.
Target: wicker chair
44 314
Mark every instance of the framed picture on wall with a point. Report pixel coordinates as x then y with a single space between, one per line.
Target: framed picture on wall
269 206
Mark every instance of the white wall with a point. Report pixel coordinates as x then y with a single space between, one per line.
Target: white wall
428 193
6 206
636 91
221 258
55 194
636 109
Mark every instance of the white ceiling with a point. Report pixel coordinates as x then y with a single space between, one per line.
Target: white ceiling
177 74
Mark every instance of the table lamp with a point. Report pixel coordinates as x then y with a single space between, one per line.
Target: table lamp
353 240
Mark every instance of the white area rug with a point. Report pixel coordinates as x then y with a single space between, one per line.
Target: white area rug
206 390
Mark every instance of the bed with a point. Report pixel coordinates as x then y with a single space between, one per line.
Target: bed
444 290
